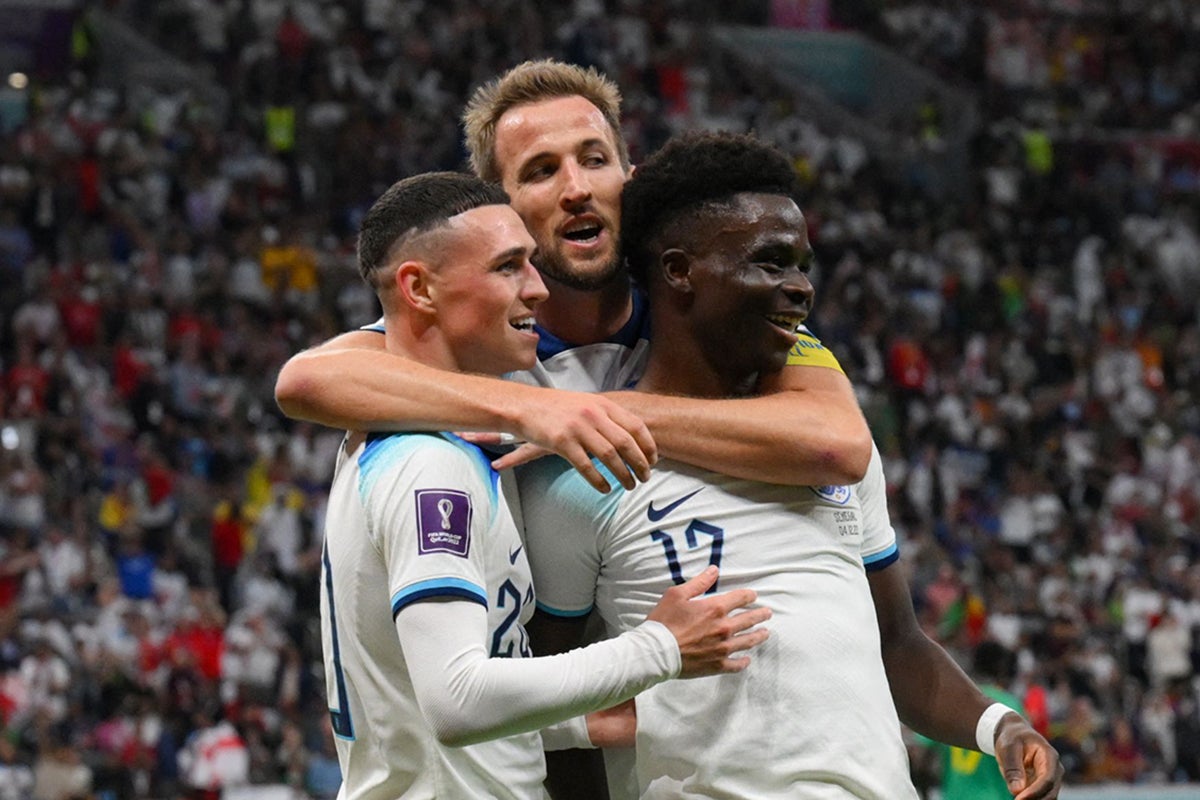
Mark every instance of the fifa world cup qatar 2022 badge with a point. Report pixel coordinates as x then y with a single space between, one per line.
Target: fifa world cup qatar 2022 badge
444 521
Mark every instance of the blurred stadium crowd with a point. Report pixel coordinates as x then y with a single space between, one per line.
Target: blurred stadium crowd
1028 355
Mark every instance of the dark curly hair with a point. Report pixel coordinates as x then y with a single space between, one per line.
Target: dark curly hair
414 205
690 171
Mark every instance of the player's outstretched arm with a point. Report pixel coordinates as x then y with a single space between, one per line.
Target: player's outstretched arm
936 698
806 430
467 697
352 382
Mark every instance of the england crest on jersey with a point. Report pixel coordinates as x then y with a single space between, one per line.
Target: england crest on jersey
834 494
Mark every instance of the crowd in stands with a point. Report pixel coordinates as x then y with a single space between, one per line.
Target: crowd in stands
1027 353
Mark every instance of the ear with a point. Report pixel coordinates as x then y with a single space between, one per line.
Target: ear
676 267
414 285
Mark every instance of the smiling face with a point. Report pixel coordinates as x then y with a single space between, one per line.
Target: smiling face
559 164
747 271
485 289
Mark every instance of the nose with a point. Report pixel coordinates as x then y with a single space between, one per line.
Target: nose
534 290
798 287
575 187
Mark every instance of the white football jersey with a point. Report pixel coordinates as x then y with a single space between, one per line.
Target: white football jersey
813 715
416 516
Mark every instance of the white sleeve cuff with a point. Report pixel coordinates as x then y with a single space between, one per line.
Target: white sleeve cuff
568 734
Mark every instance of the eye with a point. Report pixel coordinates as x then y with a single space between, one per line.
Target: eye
538 172
773 264
594 160
512 265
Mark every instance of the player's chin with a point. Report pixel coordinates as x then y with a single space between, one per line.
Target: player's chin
523 353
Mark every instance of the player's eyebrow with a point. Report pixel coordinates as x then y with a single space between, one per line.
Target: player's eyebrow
511 253
595 141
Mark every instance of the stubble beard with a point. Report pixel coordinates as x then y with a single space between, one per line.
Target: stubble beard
554 266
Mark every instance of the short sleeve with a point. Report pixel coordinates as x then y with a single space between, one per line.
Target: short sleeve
879 547
426 508
564 519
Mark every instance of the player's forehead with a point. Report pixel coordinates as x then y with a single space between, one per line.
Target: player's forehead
484 233
752 219
555 126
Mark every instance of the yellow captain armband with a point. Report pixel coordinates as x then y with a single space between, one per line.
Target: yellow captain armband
809 352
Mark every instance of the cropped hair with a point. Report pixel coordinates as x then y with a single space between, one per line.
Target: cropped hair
415 205
691 171
533 82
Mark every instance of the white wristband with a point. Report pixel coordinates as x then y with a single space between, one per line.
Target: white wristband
985 729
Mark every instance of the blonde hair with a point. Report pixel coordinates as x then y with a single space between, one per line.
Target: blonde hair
532 82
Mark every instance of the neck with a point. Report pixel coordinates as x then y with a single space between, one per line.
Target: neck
407 337
585 317
688 369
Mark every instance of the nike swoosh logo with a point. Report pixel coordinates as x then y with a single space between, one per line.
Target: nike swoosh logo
655 514
512 557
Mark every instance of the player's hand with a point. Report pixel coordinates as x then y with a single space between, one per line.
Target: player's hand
613 727
1029 763
707 631
579 426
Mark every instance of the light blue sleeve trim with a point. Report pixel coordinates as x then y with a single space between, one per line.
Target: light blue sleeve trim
558 612
884 558
383 450
438 587
483 463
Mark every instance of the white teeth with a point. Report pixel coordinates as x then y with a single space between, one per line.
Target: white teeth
525 324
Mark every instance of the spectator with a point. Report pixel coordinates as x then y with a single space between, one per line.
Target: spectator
60 774
1029 360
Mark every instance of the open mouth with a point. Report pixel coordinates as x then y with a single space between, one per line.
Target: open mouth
583 232
524 324
787 322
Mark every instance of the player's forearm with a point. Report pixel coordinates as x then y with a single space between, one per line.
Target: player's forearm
467 697
359 389
933 695
798 438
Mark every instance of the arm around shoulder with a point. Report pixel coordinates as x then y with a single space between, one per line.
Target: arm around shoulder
805 430
352 382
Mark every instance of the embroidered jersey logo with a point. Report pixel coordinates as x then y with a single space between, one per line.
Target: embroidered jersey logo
655 514
443 522
834 494
512 557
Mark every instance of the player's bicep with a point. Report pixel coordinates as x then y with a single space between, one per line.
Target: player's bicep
893 607
561 536
441 638
425 516
306 373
